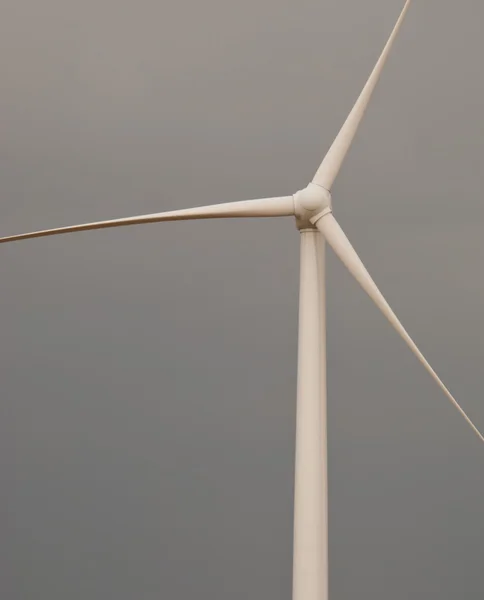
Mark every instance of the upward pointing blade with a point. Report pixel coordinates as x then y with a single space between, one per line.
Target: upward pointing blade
267 207
329 168
337 239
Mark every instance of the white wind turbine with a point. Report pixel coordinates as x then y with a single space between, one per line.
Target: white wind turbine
312 209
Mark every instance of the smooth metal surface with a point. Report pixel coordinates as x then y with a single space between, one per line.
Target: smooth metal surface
323 385
310 538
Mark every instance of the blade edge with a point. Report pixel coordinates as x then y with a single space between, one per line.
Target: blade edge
267 207
332 162
342 247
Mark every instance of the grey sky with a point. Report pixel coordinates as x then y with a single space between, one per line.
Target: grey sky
148 373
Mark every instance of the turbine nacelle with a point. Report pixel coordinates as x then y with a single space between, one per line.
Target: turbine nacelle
310 204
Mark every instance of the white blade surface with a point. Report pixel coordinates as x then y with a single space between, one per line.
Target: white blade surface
337 239
329 168
267 207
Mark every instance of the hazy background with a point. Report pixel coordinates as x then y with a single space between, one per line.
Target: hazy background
148 374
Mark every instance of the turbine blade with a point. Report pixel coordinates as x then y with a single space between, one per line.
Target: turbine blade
336 238
267 207
329 168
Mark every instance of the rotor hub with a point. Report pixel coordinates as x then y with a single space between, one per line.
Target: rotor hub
310 202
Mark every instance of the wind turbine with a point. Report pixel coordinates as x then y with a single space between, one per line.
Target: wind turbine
312 208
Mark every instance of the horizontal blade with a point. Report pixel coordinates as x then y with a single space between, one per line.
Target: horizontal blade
336 238
329 168
267 207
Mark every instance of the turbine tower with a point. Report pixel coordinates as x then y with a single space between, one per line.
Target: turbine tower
312 208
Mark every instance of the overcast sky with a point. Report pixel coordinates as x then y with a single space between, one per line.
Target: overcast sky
149 373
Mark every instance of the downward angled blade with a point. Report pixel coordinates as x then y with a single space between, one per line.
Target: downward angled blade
267 207
336 238
333 160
